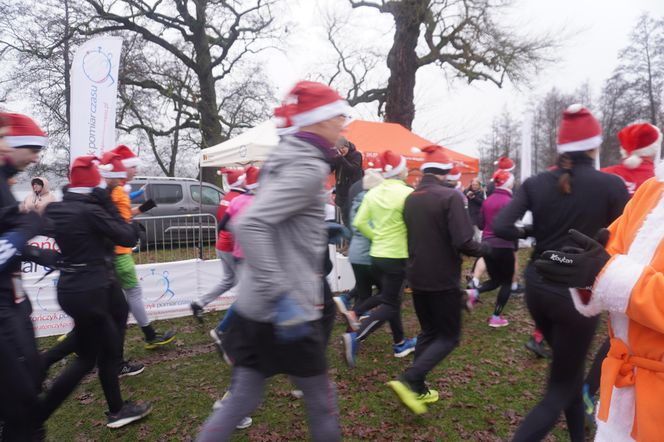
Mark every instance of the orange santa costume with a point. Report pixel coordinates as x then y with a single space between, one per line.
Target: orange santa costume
631 288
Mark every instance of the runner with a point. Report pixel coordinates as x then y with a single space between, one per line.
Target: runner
439 230
277 327
81 226
380 218
500 262
119 166
224 245
574 195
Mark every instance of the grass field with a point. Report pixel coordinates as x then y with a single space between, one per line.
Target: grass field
486 385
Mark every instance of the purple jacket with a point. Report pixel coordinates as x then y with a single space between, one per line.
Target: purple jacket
490 209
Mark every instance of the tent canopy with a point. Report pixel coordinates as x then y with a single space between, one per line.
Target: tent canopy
250 146
377 137
370 138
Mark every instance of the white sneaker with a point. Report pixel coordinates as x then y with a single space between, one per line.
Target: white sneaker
244 423
297 394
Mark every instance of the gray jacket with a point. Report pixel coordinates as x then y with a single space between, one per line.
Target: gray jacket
358 251
283 233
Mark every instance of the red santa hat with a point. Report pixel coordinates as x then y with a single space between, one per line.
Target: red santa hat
434 158
505 163
454 174
309 103
503 179
579 130
22 131
639 140
84 175
252 177
129 158
112 166
234 177
393 163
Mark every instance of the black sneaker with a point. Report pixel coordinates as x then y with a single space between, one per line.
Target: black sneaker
130 412
538 348
130 369
160 340
197 311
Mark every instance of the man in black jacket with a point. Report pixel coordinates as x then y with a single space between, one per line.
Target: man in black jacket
347 171
439 230
20 370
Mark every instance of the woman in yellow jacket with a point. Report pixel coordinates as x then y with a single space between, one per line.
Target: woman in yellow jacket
627 280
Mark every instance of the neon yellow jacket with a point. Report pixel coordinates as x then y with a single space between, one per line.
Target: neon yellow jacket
380 218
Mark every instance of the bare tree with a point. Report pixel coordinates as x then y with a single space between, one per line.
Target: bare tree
462 37
503 139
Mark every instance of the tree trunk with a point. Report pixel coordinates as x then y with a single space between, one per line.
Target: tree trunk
402 62
207 104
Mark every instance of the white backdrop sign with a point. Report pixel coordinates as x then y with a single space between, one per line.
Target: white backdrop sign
94 87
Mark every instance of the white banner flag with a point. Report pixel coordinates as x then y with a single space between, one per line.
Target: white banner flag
94 88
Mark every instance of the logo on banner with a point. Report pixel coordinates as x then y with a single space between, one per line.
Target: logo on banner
157 284
98 67
44 295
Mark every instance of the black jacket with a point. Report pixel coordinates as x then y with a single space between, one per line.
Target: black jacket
439 230
27 225
596 200
474 205
347 170
85 230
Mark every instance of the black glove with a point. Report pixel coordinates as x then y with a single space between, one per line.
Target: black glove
44 257
141 232
575 266
149 204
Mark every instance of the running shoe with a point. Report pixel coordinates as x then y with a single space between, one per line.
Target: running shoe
408 397
62 337
351 345
472 298
429 397
297 394
498 321
538 348
160 340
244 423
197 311
349 315
519 289
130 412
216 337
130 369
404 349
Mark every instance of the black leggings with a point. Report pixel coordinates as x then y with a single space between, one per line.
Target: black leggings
569 334
386 305
97 342
20 370
500 265
365 278
595 372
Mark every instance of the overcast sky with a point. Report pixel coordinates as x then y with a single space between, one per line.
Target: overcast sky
458 114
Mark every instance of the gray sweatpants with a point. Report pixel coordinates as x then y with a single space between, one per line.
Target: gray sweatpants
134 297
246 394
227 279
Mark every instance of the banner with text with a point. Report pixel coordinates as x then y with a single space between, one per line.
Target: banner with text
94 87
168 289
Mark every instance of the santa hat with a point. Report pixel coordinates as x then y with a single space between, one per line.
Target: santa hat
393 163
579 130
22 131
129 158
234 177
503 179
252 177
283 122
639 140
454 174
374 162
309 103
434 158
84 175
504 163
112 166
